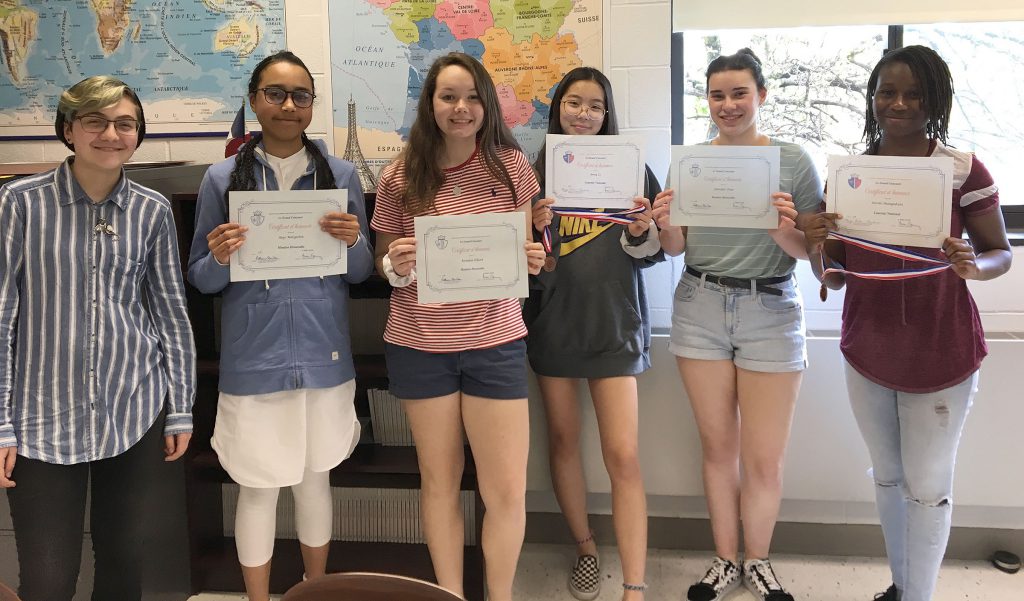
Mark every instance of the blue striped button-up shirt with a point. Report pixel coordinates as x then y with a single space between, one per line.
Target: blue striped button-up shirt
94 335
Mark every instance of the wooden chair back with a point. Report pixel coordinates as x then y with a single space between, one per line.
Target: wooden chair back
366 586
6 594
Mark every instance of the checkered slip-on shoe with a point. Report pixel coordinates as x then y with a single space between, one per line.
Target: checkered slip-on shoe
722 578
585 578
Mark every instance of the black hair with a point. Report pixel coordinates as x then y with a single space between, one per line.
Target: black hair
936 83
243 176
609 127
743 60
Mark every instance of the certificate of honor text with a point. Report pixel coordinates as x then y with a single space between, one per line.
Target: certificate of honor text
892 200
284 238
724 186
471 257
594 172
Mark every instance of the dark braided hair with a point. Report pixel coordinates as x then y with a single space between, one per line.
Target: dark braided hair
243 176
936 83
743 60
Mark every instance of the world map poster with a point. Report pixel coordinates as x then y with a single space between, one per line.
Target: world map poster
189 60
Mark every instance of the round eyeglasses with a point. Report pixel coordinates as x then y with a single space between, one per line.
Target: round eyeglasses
96 124
575 108
300 98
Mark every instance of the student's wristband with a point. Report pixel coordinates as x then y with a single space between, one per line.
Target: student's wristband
637 240
396 281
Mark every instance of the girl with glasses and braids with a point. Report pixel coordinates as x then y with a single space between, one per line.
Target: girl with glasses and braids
913 347
588 319
285 415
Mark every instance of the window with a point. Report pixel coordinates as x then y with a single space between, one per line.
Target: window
817 78
988 110
816 83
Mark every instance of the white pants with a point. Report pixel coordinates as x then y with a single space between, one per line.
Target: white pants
255 517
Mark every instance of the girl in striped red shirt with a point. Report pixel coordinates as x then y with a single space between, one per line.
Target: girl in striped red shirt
462 364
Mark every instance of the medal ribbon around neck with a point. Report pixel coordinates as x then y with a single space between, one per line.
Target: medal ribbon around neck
937 265
621 217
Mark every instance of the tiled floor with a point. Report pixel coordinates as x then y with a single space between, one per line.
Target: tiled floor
542 576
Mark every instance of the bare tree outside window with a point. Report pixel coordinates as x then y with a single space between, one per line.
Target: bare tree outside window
816 83
817 77
988 112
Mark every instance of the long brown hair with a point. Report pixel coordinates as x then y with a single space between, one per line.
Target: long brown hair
423 175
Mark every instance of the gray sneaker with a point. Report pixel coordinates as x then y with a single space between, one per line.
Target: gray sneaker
585 578
722 578
760 579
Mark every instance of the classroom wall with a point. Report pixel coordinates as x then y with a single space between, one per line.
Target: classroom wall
827 463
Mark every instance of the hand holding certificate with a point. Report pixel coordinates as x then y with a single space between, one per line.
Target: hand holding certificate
892 200
725 186
596 172
471 257
284 238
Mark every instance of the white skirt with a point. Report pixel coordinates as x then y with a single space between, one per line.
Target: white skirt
268 440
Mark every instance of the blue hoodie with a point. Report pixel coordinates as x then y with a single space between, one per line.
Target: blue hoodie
282 334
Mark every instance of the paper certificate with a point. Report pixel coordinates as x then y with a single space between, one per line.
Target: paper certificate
892 200
284 238
471 257
724 186
594 172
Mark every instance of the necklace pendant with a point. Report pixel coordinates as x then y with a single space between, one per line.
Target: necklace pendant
456 190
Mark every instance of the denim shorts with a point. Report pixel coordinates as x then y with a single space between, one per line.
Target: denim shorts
756 330
492 373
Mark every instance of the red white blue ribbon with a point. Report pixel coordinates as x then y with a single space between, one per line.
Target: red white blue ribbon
620 217
936 265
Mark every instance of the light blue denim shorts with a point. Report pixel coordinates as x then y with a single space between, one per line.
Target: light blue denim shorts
758 331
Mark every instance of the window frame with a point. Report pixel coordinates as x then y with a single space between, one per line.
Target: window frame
1013 215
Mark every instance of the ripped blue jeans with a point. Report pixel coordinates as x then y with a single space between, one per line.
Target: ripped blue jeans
912 440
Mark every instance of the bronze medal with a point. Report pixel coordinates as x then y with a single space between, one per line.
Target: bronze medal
549 263
823 293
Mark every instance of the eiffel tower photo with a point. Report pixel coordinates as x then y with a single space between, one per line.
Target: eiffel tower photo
354 155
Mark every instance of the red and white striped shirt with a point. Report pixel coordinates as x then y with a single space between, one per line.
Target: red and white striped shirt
453 327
